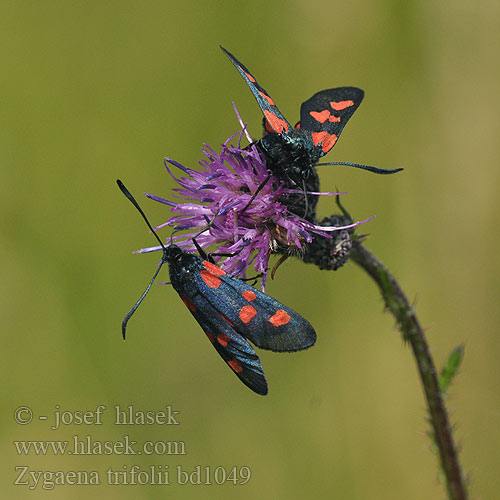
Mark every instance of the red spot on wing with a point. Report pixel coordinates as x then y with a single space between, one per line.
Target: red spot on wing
213 268
320 117
329 142
334 118
319 137
279 318
297 126
340 105
189 304
223 339
279 125
267 98
235 365
210 279
210 337
226 320
249 295
247 313
249 76
268 127
325 139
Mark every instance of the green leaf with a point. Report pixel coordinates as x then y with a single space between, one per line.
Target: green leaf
450 369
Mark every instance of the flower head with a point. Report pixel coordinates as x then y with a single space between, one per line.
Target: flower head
235 205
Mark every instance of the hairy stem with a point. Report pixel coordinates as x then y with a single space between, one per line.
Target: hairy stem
397 303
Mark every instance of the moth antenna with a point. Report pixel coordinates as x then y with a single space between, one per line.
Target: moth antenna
127 193
138 303
370 168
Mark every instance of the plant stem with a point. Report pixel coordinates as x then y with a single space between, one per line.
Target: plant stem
408 324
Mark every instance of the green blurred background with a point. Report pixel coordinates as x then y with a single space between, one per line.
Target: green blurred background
93 91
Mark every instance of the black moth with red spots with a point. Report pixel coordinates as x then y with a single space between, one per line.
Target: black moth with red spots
231 313
291 153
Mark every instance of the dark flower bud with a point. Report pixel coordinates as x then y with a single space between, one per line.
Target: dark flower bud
331 253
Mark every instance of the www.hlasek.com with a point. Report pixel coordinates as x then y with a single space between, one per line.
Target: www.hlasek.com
154 475
88 446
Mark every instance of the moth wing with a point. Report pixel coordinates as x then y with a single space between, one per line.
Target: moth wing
234 349
326 113
274 120
253 314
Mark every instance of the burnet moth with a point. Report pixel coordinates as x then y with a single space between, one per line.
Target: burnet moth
293 152
230 312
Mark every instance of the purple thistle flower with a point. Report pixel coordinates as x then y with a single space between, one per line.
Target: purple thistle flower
218 207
